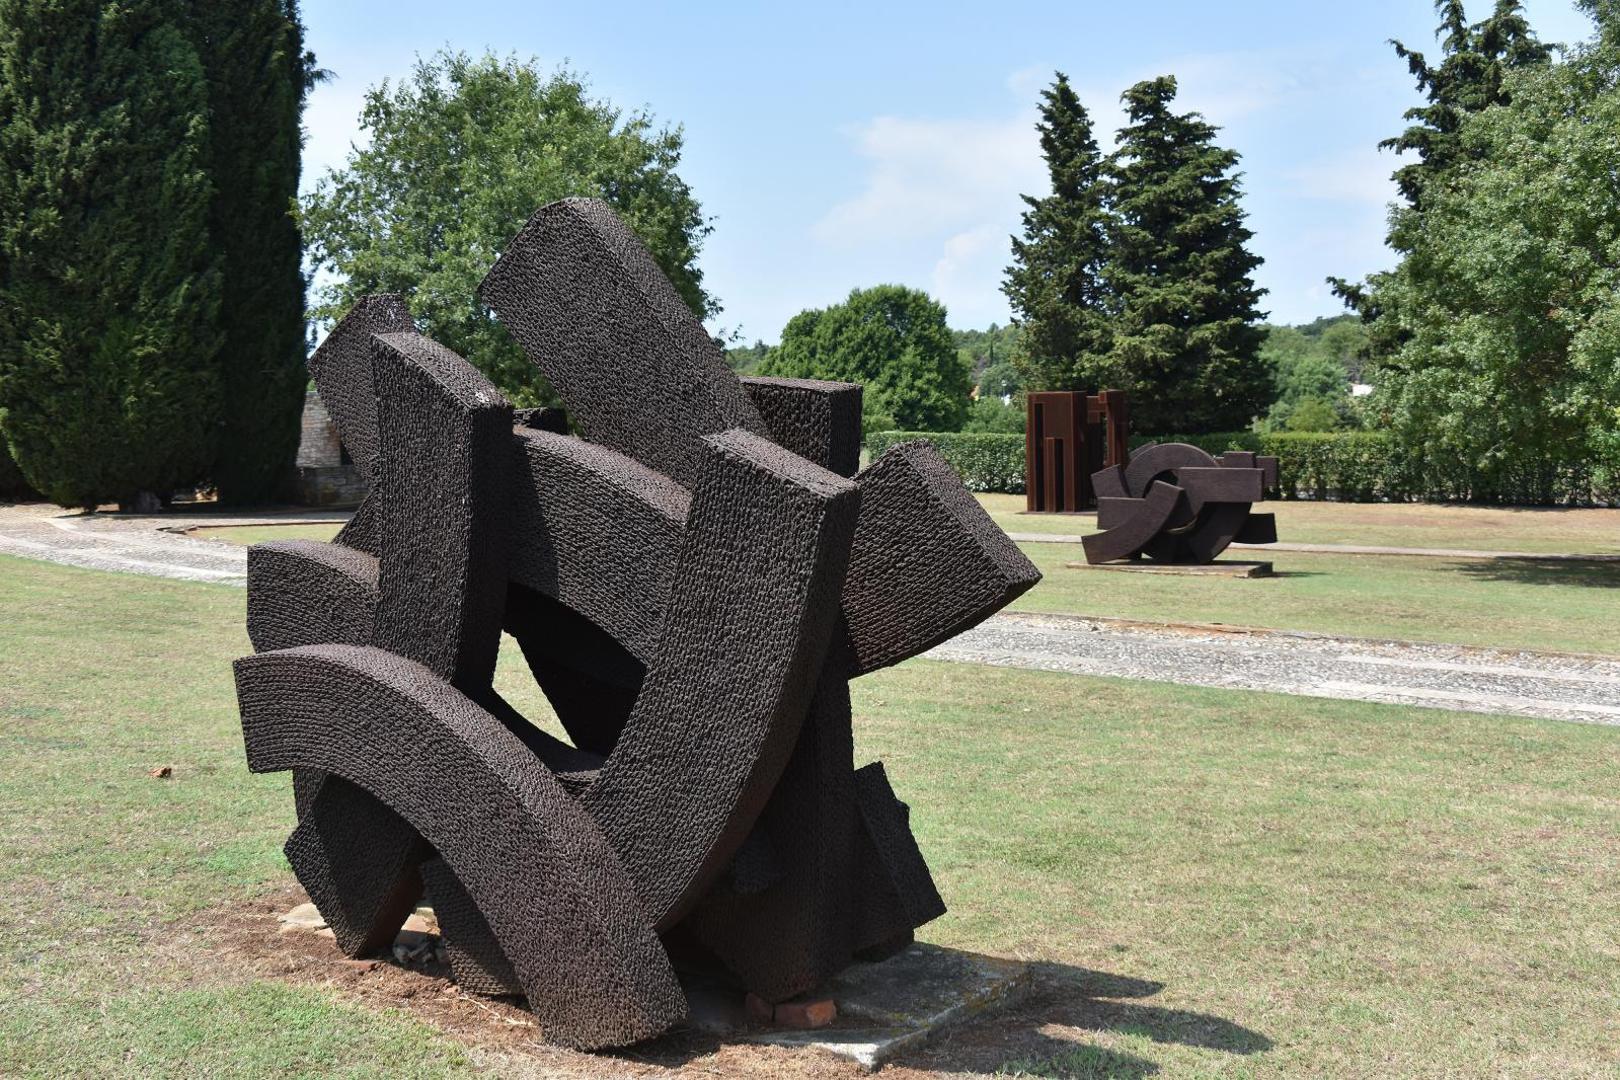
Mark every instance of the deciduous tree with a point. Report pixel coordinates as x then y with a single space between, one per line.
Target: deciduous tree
1507 302
894 341
461 153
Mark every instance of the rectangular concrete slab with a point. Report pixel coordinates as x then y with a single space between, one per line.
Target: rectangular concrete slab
1228 568
884 1009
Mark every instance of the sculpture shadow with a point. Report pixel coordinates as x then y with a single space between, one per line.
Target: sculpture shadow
1016 1039
1064 1060
1582 573
1102 1001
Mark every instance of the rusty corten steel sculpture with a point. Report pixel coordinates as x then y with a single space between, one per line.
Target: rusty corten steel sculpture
1175 503
693 581
1068 436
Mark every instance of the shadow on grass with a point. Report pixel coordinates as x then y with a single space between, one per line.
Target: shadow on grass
1099 1001
1021 1042
1017 1040
1063 1060
1588 574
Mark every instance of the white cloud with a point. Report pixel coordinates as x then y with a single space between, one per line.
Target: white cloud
967 276
1359 176
933 178
943 192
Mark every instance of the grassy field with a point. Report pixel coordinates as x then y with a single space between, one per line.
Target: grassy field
259 534
1217 883
1518 605
1572 607
1583 532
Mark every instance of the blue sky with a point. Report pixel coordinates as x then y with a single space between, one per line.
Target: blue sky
843 145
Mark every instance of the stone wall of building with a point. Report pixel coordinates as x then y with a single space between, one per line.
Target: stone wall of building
326 476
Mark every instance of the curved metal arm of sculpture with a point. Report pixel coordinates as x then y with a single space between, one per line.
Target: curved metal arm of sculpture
341 368
599 532
550 885
740 649
634 367
305 592
1145 519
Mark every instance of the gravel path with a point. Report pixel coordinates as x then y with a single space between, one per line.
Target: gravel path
134 544
1554 686
1441 676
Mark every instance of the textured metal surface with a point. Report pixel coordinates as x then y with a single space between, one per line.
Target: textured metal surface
820 421
693 580
632 364
1069 438
1174 503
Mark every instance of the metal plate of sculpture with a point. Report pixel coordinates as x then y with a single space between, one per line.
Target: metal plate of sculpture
693 580
1068 436
1175 503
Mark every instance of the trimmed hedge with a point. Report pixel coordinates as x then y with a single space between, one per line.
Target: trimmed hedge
1348 466
987 461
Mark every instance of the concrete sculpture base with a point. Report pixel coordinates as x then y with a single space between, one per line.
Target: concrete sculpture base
884 1009
1223 568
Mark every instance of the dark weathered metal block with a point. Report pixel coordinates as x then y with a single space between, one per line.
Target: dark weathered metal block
819 421
1174 503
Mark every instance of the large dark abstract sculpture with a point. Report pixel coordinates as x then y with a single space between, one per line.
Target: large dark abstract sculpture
1176 504
693 580
1068 436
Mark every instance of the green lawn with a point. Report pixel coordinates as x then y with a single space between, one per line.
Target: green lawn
1220 883
259 534
1584 532
1520 605
1572 607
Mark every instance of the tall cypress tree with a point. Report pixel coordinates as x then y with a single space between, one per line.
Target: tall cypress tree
1055 285
258 76
109 294
1187 337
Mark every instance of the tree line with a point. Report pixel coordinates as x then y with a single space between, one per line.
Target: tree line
1134 273
152 323
152 332
1496 337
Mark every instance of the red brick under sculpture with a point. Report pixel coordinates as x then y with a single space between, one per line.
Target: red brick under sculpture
693 579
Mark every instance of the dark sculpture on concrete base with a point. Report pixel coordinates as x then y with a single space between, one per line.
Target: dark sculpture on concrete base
1175 503
693 580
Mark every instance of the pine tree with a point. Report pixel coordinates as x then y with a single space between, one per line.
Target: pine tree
1055 285
258 75
108 292
1187 336
1468 79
